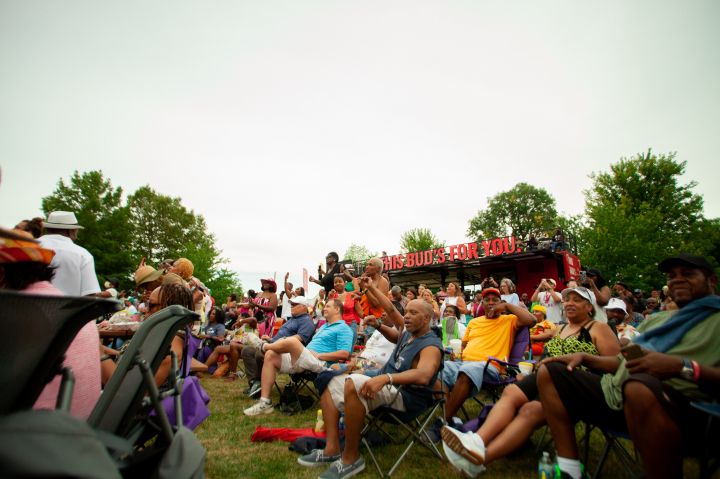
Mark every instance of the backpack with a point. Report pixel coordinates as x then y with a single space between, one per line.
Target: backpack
292 402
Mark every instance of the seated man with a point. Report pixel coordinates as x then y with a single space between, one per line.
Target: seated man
415 361
332 342
648 391
489 335
299 325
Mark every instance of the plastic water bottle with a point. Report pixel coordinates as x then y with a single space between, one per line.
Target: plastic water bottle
341 425
319 423
546 467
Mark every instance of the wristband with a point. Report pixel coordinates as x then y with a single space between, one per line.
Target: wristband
390 378
696 371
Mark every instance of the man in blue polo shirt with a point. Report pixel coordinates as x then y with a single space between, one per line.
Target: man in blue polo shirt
332 343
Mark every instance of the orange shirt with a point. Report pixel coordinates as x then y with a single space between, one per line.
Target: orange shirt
369 309
489 337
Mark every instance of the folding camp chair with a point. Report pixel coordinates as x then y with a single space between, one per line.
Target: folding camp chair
37 330
521 345
613 442
709 455
131 394
413 425
494 387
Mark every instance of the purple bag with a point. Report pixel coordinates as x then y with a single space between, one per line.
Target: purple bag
474 424
194 401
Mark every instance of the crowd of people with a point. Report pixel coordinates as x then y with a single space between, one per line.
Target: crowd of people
604 353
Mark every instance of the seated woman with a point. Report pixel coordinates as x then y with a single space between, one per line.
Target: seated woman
243 326
25 267
542 331
450 326
162 297
518 412
214 334
373 357
428 297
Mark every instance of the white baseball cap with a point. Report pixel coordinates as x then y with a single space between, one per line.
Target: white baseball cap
616 303
299 300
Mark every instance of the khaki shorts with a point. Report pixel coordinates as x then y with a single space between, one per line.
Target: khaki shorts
387 396
306 362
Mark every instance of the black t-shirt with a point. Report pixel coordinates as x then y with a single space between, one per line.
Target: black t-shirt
327 280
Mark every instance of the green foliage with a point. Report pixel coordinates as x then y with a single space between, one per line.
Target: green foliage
99 209
574 228
222 283
638 214
419 239
163 228
151 225
358 253
522 210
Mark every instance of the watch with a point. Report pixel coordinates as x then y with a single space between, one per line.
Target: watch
687 372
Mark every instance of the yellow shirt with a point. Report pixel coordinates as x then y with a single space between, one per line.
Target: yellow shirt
489 337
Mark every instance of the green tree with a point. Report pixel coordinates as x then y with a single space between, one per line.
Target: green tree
358 253
222 283
522 210
99 209
419 239
639 213
163 228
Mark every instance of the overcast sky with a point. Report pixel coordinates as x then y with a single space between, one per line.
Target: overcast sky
301 127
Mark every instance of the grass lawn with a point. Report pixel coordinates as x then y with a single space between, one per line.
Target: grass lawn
230 453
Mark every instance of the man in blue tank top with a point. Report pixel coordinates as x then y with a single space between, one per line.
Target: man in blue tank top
414 363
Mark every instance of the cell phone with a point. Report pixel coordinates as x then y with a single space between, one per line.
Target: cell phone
632 351
583 276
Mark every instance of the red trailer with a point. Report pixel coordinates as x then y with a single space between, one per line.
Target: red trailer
469 263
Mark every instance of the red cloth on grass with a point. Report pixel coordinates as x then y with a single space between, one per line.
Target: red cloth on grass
269 434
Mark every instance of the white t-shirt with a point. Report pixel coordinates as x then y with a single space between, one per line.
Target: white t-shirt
285 311
512 298
75 266
554 308
378 348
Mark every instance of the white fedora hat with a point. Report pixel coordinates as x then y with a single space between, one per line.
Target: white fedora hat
62 220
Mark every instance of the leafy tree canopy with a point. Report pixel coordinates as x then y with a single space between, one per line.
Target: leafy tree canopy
639 213
419 239
98 208
520 211
358 253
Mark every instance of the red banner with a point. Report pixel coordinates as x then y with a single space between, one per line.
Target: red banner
572 266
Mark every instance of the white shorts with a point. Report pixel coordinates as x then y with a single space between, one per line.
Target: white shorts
387 396
306 362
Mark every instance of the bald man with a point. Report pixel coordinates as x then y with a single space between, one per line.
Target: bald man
415 360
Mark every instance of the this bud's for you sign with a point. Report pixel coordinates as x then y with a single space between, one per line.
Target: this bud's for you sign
451 254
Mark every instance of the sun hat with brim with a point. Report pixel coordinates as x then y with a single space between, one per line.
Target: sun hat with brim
616 303
23 250
146 274
268 281
62 220
584 293
494 291
684 259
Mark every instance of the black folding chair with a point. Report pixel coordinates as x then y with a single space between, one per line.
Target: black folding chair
710 454
414 427
37 330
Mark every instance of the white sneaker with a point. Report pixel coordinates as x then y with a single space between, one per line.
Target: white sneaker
260 407
467 444
253 340
461 464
